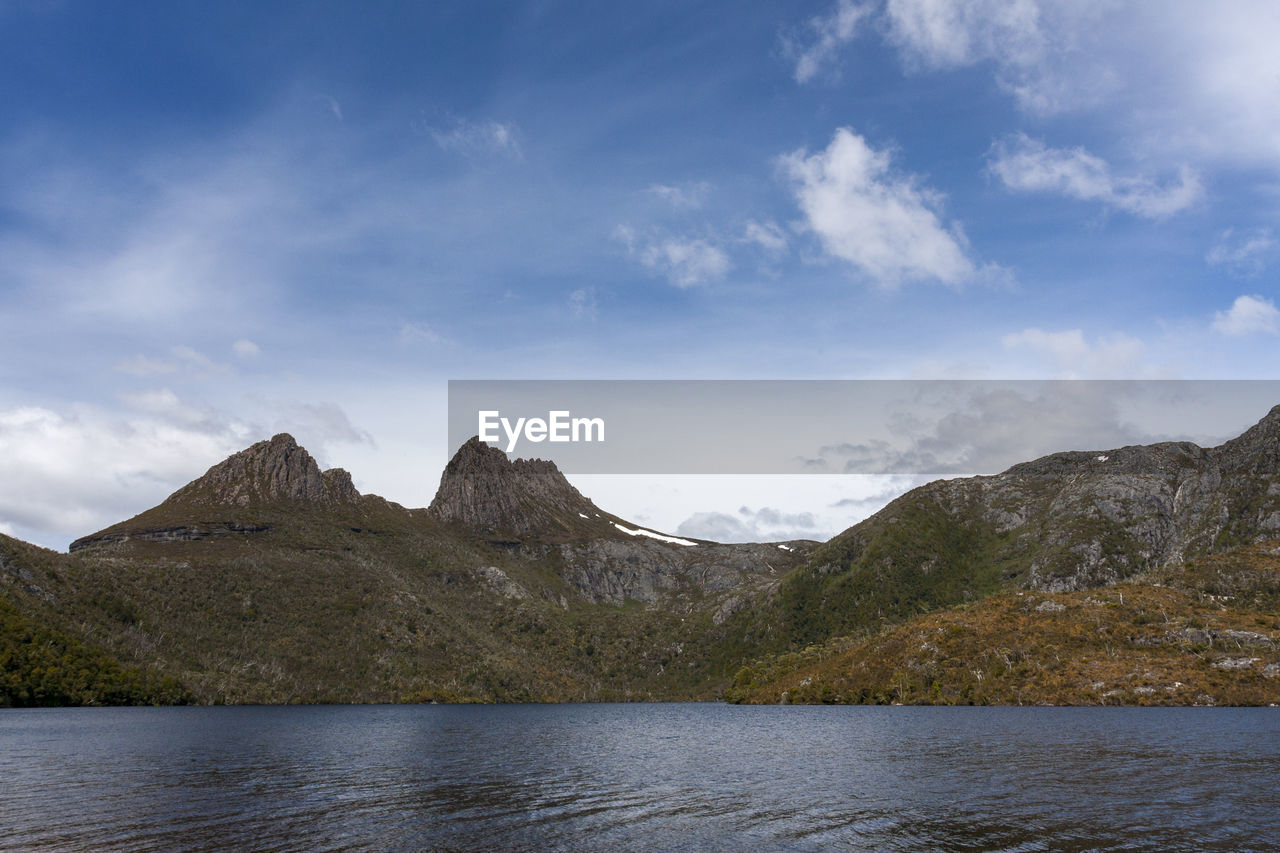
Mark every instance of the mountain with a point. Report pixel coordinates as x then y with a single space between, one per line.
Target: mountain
223 501
1068 521
270 580
483 490
1204 519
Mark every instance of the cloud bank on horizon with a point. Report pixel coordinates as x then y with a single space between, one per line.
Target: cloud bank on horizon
218 222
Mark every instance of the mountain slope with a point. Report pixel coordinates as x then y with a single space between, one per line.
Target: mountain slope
229 497
42 664
1068 521
1134 644
267 580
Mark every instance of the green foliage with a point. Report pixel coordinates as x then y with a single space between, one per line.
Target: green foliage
914 557
40 666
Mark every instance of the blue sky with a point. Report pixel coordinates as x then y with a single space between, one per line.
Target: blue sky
222 220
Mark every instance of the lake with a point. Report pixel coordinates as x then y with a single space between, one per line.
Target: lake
640 777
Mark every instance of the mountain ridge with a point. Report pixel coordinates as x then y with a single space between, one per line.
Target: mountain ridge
267 579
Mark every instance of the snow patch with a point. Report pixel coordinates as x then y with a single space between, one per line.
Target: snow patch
672 539
583 515
786 547
1102 458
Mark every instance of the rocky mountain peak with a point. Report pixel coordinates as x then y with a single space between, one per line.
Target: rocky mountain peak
273 470
481 488
1255 452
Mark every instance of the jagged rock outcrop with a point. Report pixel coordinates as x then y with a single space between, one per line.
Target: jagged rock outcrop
484 490
530 506
269 471
226 499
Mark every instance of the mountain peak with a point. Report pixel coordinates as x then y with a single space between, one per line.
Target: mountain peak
481 488
272 470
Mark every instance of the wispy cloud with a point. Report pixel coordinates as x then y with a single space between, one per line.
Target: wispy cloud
1245 255
766 524
582 303
419 333
1028 165
816 49
1248 315
1072 356
141 365
1183 80
877 219
767 235
472 138
331 103
684 261
690 196
1010 33
321 423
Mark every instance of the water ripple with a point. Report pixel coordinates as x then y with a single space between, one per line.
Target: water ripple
639 777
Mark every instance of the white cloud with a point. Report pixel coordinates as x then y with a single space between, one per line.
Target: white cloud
880 221
320 424
777 507
197 359
766 235
827 34
945 35
140 365
478 138
68 474
1248 315
750 525
690 196
1073 357
71 471
419 333
245 349
582 303
1176 76
1245 255
164 403
684 261
987 427
1028 165
1022 38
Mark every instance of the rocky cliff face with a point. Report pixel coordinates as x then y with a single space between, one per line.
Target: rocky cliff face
228 498
1074 520
483 490
266 472
529 506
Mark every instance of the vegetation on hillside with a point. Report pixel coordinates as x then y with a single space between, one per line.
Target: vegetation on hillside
42 666
1133 644
269 581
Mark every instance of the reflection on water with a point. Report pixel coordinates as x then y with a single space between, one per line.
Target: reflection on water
640 777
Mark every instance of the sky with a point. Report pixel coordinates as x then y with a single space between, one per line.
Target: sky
219 221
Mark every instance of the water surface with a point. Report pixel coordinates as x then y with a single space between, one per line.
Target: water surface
640 777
